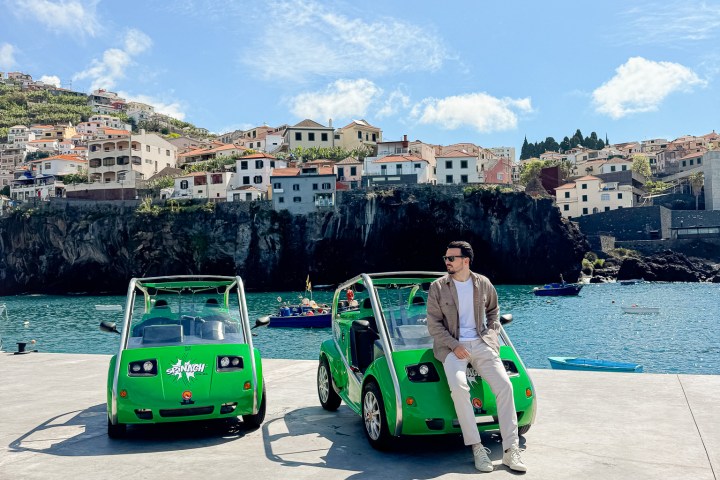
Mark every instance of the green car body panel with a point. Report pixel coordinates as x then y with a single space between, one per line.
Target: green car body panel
184 358
410 407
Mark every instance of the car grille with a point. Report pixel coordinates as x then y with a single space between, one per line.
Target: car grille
187 412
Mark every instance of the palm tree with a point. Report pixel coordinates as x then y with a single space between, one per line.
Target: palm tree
696 183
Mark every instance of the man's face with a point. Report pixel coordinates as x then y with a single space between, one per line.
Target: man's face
458 264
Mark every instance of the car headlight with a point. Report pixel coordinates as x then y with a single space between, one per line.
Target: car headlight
229 363
143 368
422 372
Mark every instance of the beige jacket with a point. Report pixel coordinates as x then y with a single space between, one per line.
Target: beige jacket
442 314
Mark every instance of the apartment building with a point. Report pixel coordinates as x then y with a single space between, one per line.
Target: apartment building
140 112
457 167
211 186
256 169
303 190
104 102
308 134
43 178
395 170
358 134
10 158
711 171
590 194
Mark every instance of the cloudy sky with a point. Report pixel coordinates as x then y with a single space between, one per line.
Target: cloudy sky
485 72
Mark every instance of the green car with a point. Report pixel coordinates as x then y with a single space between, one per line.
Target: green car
380 363
185 353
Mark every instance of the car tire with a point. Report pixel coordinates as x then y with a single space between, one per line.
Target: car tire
253 422
524 429
116 431
374 417
329 399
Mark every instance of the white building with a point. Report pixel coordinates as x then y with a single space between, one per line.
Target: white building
507 153
203 185
244 193
711 171
140 112
44 178
394 167
589 194
256 169
309 133
457 167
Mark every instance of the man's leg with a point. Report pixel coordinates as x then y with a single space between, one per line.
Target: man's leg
455 369
488 364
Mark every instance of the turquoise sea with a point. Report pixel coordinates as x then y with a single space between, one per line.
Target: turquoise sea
683 338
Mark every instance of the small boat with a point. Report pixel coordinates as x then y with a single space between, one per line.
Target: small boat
633 281
558 289
641 310
592 365
305 315
109 308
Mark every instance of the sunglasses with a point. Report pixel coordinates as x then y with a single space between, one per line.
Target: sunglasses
451 258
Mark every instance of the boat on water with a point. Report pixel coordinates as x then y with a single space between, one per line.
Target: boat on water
632 281
592 365
558 289
640 310
305 314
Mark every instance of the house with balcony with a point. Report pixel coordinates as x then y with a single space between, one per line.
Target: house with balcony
211 186
19 136
116 165
43 178
211 152
303 190
308 134
590 194
244 193
359 134
256 169
10 158
457 167
396 170
104 102
49 145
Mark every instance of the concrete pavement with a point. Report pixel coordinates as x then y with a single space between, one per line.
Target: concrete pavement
589 426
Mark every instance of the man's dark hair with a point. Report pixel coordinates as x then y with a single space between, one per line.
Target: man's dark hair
465 249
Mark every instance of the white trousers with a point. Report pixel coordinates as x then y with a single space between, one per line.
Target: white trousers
489 366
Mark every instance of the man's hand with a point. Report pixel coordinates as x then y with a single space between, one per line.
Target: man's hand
461 352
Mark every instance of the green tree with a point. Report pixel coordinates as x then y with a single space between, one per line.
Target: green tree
73 178
530 170
641 165
525 150
565 144
5 190
656 187
697 180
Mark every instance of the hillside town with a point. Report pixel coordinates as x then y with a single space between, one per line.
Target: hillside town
108 159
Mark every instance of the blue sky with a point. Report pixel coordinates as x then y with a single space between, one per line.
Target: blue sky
485 72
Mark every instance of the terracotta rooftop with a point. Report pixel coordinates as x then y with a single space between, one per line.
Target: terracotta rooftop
455 154
399 158
65 158
586 178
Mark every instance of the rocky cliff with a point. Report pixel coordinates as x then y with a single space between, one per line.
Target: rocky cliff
517 240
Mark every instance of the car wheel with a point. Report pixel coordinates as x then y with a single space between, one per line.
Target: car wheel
329 399
116 431
374 418
253 422
524 429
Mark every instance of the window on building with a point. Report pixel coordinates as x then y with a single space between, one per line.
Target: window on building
246 180
216 178
297 199
147 148
692 162
311 136
567 194
584 198
272 163
281 199
607 209
199 181
463 164
244 165
337 136
374 137
624 167
612 168
416 165
47 166
277 186
585 211
448 163
315 186
398 169
324 137
359 135
699 161
566 208
167 153
619 196
684 163
583 186
183 184
296 187
258 164
448 179
383 169
463 179
605 197
298 136
257 179
326 186
236 197
353 171
341 172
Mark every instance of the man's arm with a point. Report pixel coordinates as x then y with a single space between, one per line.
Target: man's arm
491 307
434 320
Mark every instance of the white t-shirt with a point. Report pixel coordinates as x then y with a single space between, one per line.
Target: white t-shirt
466 310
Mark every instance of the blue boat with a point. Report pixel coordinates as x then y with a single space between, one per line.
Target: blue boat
558 289
592 365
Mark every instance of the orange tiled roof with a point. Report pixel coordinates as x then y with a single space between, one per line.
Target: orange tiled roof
66 158
285 172
258 155
399 158
456 153
113 131
566 186
586 177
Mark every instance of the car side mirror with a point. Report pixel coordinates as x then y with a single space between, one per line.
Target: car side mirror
262 322
505 319
109 327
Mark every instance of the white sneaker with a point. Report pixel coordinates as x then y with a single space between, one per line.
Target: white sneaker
512 459
482 461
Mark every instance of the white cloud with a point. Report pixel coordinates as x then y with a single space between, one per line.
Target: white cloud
340 99
50 80
687 21
641 85
7 56
394 102
68 16
174 109
480 111
320 42
105 72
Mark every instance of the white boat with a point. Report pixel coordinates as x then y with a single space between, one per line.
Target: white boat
109 308
641 310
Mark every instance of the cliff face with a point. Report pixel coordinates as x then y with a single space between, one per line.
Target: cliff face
516 240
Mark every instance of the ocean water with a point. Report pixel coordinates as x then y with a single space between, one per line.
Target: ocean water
683 338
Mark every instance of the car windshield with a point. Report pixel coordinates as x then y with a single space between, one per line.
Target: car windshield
403 304
187 315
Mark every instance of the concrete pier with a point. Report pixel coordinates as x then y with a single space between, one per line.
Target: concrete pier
589 426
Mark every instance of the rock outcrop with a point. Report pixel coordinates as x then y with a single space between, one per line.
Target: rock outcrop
667 266
517 240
